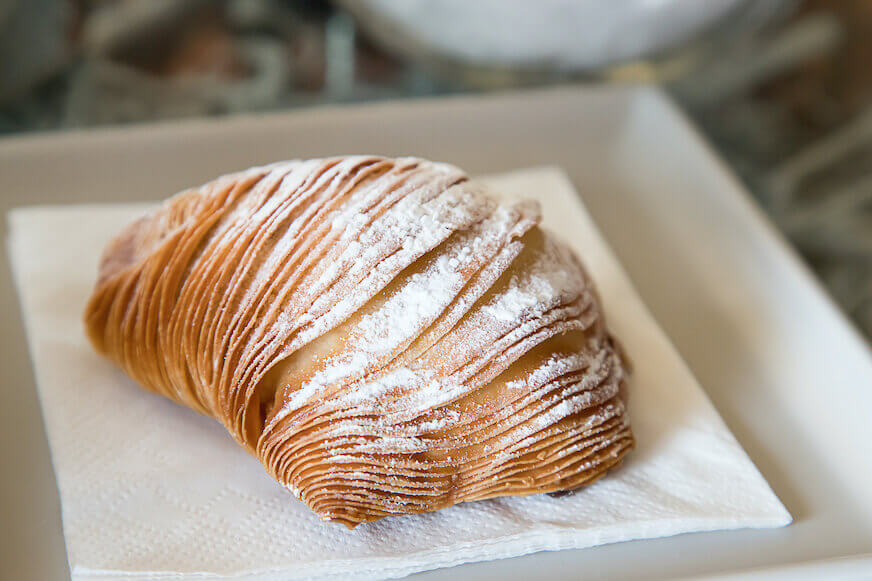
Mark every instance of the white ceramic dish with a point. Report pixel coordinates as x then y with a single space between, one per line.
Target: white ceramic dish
789 375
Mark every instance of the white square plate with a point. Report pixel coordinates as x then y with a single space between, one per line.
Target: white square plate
789 375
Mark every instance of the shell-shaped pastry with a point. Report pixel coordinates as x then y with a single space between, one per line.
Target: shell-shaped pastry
385 336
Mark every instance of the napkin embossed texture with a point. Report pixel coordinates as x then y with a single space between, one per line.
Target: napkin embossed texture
151 490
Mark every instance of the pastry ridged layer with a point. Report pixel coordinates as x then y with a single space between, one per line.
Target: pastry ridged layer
383 334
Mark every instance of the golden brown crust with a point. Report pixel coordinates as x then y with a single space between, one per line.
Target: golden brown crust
382 334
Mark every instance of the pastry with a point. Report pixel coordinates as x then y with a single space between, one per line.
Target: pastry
384 335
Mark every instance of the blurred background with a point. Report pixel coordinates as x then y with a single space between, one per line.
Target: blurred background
782 88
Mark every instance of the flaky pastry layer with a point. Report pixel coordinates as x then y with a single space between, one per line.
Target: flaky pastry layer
382 334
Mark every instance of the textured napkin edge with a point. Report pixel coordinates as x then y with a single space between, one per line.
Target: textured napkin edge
12 241
554 539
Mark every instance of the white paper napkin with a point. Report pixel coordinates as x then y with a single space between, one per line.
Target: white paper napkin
150 490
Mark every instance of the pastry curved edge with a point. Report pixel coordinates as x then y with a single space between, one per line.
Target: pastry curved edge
382 334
